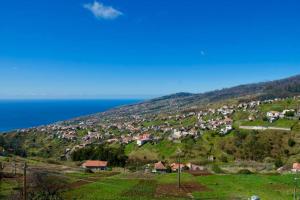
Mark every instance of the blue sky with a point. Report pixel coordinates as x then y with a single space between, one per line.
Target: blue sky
133 48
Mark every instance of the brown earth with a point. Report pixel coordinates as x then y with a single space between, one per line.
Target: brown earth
88 180
185 190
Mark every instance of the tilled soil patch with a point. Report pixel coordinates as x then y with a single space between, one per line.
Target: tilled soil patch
185 190
82 182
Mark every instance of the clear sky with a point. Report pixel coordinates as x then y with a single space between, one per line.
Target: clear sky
135 48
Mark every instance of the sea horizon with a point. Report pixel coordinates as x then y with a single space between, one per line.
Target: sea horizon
18 114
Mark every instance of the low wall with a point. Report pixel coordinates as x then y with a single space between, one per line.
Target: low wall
262 128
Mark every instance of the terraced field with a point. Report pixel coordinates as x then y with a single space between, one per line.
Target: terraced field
225 187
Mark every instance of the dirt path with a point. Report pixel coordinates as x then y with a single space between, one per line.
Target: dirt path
80 182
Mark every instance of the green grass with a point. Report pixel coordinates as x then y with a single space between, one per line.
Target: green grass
173 178
268 187
279 106
119 187
296 127
106 189
281 123
82 133
144 189
6 187
223 187
190 121
130 148
82 175
166 148
163 150
285 123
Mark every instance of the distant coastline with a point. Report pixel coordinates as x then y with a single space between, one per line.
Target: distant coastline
21 114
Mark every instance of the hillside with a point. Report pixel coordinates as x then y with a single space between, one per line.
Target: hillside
265 90
180 120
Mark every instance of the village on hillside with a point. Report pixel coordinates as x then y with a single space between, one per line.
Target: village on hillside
251 115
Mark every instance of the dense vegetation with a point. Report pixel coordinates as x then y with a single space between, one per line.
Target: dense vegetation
256 145
13 144
114 155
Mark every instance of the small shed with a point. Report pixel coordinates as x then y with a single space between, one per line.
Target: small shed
95 165
296 167
159 167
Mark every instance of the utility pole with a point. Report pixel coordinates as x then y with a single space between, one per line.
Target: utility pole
24 182
179 169
295 188
15 166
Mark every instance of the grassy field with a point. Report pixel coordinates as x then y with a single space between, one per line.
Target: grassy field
223 187
6 188
281 123
161 150
280 105
268 187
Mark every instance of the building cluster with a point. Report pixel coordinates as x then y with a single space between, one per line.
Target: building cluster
142 129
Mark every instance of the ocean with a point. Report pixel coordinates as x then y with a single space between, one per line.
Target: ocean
17 114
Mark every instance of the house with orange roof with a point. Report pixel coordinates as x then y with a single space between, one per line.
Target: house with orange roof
296 167
142 139
159 167
95 165
176 166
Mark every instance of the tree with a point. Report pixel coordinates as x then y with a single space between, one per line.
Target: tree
278 163
114 155
291 142
43 186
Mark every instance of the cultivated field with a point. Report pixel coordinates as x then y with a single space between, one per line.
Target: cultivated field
225 187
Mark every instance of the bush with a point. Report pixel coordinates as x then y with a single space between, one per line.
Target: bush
245 171
223 159
291 142
290 114
216 169
278 163
51 161
286 152
169 169
89 171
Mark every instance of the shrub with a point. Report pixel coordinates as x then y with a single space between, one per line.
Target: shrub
291 142
290 114
89 171
169 169
286 152
216 169
51 161
278 163
223 159
244 171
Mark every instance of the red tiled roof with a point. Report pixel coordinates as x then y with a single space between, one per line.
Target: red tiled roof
296 166
159 166
145 136
95 163
175 166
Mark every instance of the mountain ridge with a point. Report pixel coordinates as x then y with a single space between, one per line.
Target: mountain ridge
285 87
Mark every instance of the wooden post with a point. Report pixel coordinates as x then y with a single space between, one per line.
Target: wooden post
24 182
15 167
1 169
179 171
